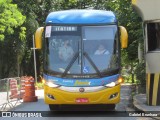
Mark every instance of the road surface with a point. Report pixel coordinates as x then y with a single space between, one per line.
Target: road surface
41 109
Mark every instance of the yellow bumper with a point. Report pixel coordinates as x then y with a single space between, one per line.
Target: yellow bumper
99 97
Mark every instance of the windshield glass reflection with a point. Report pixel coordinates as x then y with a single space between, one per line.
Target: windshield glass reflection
98 42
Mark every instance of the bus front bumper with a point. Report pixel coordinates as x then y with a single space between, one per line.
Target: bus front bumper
105 96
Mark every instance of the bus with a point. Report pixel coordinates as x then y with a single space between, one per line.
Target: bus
76 71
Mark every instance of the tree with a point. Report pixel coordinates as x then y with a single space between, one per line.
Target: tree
31 10
128 18
12 33
10 18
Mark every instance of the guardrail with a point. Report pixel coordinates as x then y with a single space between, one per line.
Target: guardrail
11 92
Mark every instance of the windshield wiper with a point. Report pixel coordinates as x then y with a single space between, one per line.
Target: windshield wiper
70 64
92 63
74 59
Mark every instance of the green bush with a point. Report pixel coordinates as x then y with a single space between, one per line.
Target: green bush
141 75
40 85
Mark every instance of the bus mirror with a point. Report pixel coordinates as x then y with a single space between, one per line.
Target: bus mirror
123 37
38 37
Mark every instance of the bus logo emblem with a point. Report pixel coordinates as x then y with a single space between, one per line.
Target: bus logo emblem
81 89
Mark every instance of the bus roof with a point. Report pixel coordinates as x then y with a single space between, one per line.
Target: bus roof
81 17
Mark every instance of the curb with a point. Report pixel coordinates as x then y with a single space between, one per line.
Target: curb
140 105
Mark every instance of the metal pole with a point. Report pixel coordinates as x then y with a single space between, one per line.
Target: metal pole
18 70
8 80
35 65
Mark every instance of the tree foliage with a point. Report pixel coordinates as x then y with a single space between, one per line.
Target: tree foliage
12 36
133 23
32 11
10 18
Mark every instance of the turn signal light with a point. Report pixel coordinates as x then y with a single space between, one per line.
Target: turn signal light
120 80
43 81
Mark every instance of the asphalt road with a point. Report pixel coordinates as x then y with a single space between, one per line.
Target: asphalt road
121 112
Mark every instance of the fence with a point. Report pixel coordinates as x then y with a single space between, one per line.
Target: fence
11 92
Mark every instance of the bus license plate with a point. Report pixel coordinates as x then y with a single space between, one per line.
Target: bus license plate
82 100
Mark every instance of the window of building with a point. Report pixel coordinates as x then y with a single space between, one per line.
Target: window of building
153 31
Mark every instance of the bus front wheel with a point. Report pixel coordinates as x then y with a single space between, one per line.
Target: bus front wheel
111 107
53 107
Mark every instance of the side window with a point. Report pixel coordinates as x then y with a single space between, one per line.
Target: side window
153 31
158 35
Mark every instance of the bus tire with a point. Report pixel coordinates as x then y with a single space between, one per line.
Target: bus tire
111 107
53 107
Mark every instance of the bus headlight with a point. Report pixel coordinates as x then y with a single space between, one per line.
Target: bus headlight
112 84
51 84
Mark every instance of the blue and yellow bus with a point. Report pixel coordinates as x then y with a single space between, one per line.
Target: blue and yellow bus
81 58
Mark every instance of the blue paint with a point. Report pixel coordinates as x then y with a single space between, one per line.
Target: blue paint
81 17
81 82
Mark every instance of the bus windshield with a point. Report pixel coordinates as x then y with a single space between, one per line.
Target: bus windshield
81 49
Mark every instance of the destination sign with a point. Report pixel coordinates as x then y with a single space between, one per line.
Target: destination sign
64 28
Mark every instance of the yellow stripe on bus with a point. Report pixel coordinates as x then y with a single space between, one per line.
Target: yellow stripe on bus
148 86
155 89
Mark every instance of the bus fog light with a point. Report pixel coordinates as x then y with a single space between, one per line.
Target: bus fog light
50 96
113 95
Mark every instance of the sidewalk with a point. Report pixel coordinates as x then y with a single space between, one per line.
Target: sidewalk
140 103
10 104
